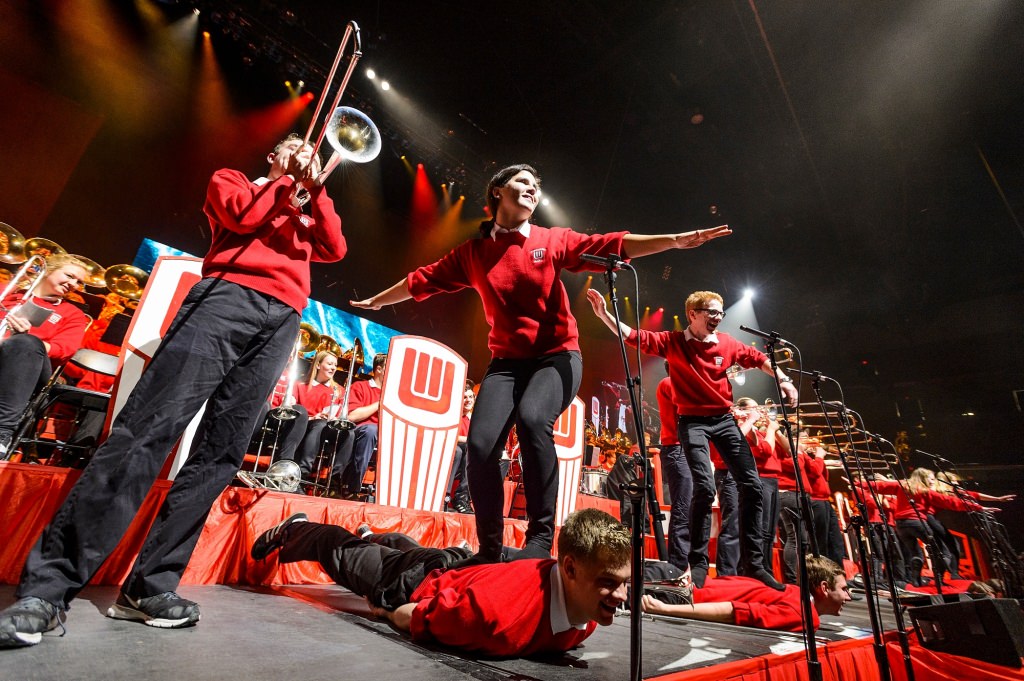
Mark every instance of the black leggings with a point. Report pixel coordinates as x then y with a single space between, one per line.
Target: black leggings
530 393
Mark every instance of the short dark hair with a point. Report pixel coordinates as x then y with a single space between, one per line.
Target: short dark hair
500 179
594 537
379 359
292 136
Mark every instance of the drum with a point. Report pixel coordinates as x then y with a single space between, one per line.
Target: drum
594 481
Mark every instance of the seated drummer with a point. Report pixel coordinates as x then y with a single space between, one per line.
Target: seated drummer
41 335
747 602
517 608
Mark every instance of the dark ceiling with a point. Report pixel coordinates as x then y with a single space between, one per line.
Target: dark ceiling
866 154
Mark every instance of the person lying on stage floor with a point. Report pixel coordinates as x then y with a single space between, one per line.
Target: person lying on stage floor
227 346
698 358
747 602
43 335
514 266
512 609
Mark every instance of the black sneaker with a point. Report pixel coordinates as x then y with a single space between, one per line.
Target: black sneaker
363 531
6 436
166 611
23 622
273 539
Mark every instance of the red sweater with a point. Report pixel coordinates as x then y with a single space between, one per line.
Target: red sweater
262 242
768 464
697 369
315 398
754 604
362 394
667 413
817 478
927 502
64 329
502 609
787 480
517 279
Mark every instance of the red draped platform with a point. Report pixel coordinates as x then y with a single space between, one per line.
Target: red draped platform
29 496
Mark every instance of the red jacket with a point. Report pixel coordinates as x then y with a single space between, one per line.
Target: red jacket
927 502
64 329
517 279
502 609
787 480
817 478
667 413
754 604
697 369
315 398
262 242
765 456
362 394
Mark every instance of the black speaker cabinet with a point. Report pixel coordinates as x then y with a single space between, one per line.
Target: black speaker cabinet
987 629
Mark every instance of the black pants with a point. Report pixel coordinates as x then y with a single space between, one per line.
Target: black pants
694 434
789 512
24 369
384 568
284 434
769 520
883 544
228 345
334 444
530 393
909 532
460 466
947 544
680 489
827 532
727 556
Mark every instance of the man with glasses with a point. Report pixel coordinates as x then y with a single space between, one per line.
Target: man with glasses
698 358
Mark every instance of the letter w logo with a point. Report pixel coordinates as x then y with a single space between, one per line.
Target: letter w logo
565 427
426 382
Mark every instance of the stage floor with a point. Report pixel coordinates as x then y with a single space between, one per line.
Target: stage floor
317 632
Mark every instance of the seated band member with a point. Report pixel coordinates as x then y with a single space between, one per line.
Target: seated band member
460 494
536 368
321 396
519 608
37 342
747 602
364 411
698 358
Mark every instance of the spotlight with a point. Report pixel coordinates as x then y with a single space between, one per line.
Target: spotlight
287 83
748 294
545 202
371 74
302 84
384 85
195 11
206 34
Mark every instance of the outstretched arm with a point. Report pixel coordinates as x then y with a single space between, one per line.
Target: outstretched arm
639 245
708 612
401 616
601 310
395 294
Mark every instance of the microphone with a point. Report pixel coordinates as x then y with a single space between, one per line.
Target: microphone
767 335
611 262
934 457
816 375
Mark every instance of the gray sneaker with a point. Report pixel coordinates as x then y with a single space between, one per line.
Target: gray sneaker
23 622
166 611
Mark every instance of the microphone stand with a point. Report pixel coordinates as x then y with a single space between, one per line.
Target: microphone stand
889 549
639 491
858 521
806 610
929 535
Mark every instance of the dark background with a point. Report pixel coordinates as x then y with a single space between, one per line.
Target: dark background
867 155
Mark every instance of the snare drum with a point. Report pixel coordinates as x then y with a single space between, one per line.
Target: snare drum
594 481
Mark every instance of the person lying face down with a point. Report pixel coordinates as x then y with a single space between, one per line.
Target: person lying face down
519 608
748 602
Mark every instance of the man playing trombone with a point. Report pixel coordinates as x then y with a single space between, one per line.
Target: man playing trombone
226 347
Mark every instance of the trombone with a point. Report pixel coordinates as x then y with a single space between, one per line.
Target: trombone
33 271
343 422
351 132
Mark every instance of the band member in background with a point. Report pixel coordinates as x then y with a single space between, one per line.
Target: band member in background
37 342
364 411
514 266
227 346
677 475
460 500
747 602
697 361
318 395
517 609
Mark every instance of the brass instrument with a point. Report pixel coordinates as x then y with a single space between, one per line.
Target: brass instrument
306 341
12 245
127 281
343 422
328 344
41 247
736 373
351 132
32 272
94 272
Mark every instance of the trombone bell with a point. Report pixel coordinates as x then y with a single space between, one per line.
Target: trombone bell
353 135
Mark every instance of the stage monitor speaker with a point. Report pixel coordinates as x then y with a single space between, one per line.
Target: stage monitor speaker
987 629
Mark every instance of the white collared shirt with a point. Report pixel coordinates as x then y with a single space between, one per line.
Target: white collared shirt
559 614
496 230
710 338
